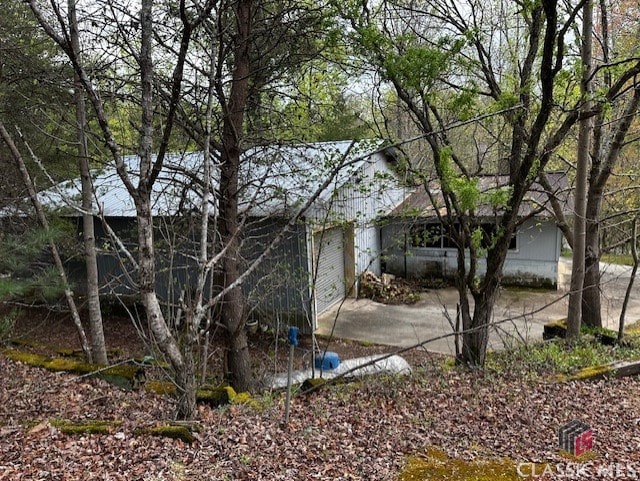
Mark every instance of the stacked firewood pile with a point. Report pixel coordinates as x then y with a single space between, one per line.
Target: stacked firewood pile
387 289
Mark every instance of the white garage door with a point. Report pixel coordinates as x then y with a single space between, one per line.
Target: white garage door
329 255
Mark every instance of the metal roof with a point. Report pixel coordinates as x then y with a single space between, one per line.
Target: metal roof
276 179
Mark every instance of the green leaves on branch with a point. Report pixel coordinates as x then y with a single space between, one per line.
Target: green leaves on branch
477 241
25 271
406 59
418 67
499 198
465 190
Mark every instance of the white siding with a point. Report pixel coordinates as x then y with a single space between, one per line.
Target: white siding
367 247
372 191
535 259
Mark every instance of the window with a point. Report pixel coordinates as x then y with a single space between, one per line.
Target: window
426 235
433 236
488 233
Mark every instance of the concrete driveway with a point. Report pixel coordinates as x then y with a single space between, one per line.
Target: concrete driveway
523 311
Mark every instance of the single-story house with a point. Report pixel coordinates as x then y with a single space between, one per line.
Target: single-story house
416 244
318 262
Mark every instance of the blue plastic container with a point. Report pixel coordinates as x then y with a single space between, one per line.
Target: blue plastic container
327 361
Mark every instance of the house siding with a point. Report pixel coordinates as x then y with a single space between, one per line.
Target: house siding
373 190
277 292
533 262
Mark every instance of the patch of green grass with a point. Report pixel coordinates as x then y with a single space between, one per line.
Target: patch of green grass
633 328
620 259
557 357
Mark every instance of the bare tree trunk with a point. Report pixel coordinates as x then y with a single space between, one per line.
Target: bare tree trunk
232 313
186 380
98 347
603 163
42 219
203 268
591 304
474 347
149 169
584 143
146 261
634 271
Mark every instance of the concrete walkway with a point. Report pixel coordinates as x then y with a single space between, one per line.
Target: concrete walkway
524 311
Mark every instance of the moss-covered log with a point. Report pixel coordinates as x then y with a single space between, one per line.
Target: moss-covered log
216 396
73 428
611 370
313 384
126 376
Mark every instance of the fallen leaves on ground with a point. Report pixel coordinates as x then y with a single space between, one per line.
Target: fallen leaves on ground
360 431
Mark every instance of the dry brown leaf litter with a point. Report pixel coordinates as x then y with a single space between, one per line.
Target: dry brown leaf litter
361 431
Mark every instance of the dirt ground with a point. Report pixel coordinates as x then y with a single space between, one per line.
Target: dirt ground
49 332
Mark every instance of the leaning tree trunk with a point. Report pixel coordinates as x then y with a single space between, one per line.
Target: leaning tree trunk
162 335
42 219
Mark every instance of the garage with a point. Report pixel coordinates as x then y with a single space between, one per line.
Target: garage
328 256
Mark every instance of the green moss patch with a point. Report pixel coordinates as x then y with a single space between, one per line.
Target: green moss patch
435 464
87 427
29 358
313 384
613 369
592 372
163 388
213 396
216 396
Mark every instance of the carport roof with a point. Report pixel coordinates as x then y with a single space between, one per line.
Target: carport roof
536 200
